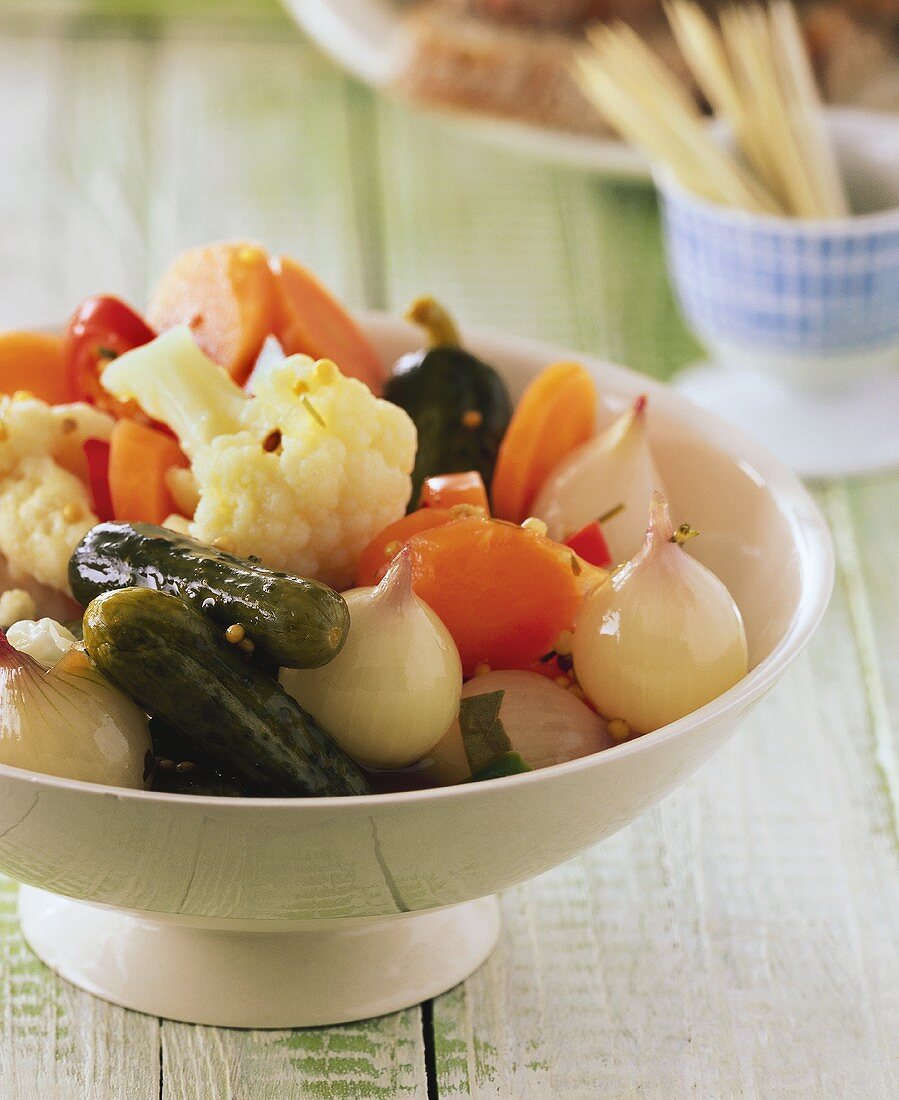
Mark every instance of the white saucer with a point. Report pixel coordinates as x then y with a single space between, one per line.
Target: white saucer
825 434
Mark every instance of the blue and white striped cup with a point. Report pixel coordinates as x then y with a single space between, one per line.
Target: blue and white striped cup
814 303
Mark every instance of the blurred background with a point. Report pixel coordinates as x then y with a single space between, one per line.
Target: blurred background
132 129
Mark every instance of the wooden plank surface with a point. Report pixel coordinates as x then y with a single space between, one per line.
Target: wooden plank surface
375 1060
739 940
58 1043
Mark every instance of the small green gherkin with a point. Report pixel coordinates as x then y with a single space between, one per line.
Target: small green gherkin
292 621
217 704
459 403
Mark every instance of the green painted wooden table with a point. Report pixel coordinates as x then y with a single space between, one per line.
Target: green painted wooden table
741 940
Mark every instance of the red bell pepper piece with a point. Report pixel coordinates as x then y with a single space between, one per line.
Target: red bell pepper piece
590 544
101 329
96 451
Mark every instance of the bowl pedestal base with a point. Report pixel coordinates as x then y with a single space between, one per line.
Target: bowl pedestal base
837 432
299 974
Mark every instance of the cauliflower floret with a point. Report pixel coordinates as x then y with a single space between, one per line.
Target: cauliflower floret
27 429
303 475
45 508
16 604
49 602
44 514
30 427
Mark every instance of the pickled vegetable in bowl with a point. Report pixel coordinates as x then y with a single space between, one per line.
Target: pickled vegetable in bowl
285 911
293 572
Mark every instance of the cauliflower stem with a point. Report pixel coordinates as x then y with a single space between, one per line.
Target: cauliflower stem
171 380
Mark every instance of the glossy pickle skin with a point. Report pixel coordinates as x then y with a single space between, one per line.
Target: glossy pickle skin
175 663
437 386
297 623
203 777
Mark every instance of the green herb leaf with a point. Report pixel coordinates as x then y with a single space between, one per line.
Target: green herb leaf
510 763
483 734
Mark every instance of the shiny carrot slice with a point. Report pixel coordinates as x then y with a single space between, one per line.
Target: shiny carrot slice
36 362
139 459
504 593
447 490
554 416
226 294
380 552
310 320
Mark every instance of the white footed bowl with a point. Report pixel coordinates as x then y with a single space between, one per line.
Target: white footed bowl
278 913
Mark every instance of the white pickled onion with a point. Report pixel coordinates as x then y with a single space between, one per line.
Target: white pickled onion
389 695
661 637
546 724
69 721
616 467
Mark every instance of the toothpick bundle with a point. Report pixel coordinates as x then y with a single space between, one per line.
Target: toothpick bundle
753 69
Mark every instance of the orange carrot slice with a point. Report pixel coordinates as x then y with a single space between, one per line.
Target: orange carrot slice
555 415
447 490
310 320
504 593
383 548
35 361
226 294
139 459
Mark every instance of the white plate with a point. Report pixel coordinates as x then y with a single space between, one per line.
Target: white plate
369 38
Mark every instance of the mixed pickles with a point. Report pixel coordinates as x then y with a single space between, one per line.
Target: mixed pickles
512 607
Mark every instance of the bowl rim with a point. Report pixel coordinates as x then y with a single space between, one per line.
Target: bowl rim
856 225
811 539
